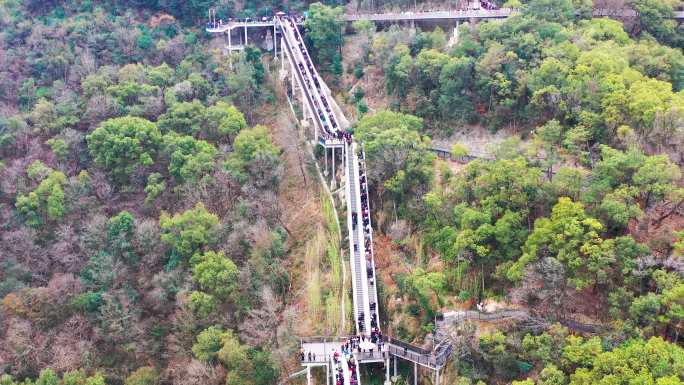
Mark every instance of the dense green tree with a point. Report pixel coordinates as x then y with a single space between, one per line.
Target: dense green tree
652 361
455 80
185 118
223 122
120 231
123 144
44 204
324 30
51 119
655 17
254 155
215 273
209 343
155 186
572 237
59 148
189 232
398 158
551 10
145 375
189 159
202 304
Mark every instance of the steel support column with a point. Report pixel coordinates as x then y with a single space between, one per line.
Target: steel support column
282 54
395 365
387 371
415 373
230 44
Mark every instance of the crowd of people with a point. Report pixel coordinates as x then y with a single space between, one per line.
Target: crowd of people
323 109
354 344
375 341
351 366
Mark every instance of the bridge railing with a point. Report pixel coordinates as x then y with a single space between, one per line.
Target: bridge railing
431 358
462 13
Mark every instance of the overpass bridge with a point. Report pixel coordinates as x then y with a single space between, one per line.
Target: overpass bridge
243 25
479 14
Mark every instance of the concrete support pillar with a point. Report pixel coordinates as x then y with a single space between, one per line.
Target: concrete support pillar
305 105
387 372
282 54
292 81
415 373
230 45
275 41
437 377
245 33
395 365
325 151
333 164
308 375
327 373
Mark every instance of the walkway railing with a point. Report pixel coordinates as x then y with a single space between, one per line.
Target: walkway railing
458 14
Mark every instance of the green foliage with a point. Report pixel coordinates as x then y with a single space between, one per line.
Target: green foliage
123 144
89 301
655 18
59 148
397 154
215 273
551 375
160 76
189 159
185 118
46 203
572 238
209 342
547 63
189 232
652 361
580 353
99 273
223 122
145 375
324 30
254 155
47 377
50 119
120 231
458 150
38 170
546 347
155 186
551 10
202 304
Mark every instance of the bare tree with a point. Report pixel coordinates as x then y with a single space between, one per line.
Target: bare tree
261 325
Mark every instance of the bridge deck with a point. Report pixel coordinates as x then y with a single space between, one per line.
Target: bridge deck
462 14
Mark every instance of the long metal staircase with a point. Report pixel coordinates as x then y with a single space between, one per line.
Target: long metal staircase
323 113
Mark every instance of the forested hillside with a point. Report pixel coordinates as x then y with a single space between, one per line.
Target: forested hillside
140 235
160 221
575 218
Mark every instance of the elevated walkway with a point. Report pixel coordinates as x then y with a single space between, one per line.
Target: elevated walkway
462 14
330 125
